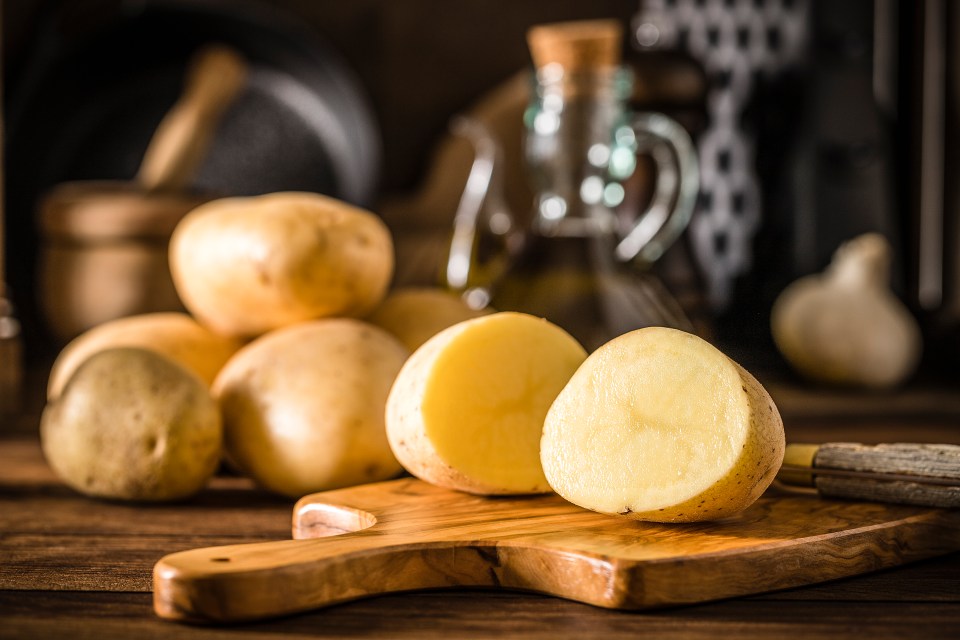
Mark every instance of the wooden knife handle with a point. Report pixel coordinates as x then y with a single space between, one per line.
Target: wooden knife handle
902 473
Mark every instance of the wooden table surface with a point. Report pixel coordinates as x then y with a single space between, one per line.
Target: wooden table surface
81 568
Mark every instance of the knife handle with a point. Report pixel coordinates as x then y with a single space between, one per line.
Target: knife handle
902 473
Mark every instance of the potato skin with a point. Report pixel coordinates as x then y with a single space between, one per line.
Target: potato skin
245 266
304 406
405 424
133 425
175 335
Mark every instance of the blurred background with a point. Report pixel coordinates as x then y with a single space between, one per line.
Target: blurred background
814 122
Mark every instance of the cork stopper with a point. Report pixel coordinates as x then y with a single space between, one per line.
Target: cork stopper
578 45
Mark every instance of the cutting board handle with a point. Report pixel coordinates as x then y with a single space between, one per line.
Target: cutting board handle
179 144
266 580
270 579
343 553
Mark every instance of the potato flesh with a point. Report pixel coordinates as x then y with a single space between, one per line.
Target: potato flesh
659 425
467 410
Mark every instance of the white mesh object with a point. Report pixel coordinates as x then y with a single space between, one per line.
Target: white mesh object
734 40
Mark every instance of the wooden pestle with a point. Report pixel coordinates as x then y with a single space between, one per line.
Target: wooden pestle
148 205
183 137
105 255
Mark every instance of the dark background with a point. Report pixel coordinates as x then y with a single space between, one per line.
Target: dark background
419 62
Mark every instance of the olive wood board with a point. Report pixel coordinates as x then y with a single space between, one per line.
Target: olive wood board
407 535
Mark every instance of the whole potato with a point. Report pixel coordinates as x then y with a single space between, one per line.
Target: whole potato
131 424
172 334
416 314
245 266
303 406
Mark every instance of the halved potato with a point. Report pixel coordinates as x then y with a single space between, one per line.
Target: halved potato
659 425
467 409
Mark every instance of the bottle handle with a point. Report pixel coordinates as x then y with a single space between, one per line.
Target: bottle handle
481 215
675 194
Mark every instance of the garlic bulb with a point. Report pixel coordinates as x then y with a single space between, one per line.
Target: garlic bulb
845 326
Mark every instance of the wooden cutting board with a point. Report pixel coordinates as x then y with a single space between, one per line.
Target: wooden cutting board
405 534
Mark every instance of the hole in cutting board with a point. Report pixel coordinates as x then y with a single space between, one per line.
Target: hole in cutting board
320 520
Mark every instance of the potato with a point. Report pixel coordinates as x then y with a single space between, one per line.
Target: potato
416 314
175 335
659 425
303 406
132 424
467 409
245 266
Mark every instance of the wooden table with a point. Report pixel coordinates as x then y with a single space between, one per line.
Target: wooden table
79 568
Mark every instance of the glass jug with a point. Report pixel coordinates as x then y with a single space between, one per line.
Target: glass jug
583 261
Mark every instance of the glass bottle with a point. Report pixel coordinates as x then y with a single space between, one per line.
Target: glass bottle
583 261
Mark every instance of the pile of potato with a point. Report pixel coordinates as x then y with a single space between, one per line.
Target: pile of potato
296 365
272 366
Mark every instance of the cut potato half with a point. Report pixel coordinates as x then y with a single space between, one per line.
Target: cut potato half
466 411
659 425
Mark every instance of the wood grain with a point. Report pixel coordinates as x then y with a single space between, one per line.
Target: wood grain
902 473
53 538
923 461
406 534
485 614
919 459
108 575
